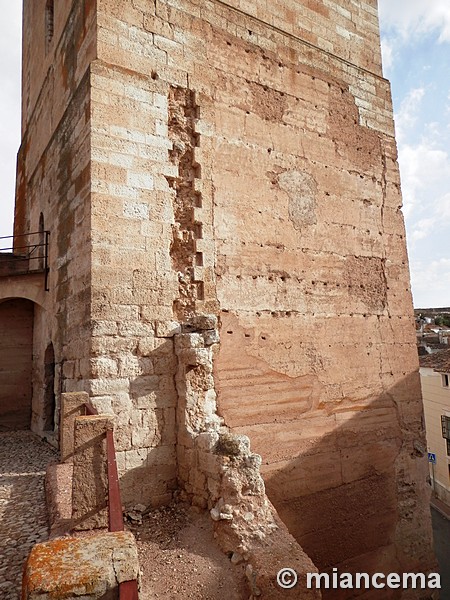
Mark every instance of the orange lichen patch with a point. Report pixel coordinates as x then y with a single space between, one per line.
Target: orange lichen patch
69 567
58 567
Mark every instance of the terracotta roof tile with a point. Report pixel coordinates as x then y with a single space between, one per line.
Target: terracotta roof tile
439 361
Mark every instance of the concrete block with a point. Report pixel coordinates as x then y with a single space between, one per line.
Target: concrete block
90 476
72 406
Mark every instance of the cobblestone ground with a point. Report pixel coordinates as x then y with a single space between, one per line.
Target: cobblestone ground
23 520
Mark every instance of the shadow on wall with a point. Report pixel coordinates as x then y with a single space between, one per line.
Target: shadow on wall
145 425
357 498
49 389
348 478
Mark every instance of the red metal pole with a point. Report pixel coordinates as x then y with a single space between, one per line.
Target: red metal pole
114 501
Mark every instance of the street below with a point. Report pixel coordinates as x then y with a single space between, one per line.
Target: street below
441 531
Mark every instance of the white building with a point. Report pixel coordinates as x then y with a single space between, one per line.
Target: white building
435 381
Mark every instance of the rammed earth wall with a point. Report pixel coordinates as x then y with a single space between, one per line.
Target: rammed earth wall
235 159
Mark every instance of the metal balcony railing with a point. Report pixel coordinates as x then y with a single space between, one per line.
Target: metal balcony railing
25 253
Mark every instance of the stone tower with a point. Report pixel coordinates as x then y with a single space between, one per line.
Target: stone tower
223 161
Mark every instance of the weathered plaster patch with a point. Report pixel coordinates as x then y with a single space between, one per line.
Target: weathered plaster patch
267 103
301 189
365 275
357 143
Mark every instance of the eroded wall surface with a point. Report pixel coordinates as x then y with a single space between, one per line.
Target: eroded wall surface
250 168
240 160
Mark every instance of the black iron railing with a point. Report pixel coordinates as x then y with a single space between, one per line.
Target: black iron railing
25 253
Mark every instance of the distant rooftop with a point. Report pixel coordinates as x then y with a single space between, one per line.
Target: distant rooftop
432 311
439 361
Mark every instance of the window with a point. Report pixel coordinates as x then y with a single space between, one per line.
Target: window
448 447
445 423
41 248
49 23
445 380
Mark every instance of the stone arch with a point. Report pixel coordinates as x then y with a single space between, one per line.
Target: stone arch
25 287
49 389
16 357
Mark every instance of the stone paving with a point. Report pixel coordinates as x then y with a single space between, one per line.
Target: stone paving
23 519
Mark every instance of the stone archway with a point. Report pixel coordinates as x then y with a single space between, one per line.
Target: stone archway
16 355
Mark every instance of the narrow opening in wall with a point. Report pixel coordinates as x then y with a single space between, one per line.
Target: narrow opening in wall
198 231
198 200
445 380
41 241
49 389
49 23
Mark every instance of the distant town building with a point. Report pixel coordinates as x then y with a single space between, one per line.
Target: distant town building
435 381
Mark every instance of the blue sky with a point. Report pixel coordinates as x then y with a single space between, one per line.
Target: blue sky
415 38
10 59
416 55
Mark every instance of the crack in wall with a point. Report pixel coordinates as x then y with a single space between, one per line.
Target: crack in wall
183 113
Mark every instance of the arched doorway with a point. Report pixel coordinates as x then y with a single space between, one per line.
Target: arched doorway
16 355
